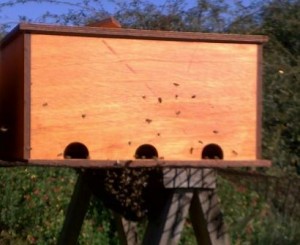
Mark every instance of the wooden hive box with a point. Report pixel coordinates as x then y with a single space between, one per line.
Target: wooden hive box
119 94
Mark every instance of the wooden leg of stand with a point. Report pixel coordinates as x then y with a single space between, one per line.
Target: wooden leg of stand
76 212
207 218
127 230
166 228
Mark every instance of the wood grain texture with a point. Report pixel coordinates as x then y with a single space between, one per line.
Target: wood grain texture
259 101
27 96
12 133
189 178
114 95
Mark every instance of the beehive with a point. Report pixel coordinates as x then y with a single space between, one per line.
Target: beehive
184 96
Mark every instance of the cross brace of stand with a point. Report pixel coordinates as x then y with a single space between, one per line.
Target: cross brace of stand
185 192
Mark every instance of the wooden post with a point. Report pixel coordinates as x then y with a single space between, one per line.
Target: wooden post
184 191
76 212
207 219
167 226
188 189
127 230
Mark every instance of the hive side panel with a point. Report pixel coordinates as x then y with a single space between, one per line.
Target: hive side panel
259 102
114 95
12 100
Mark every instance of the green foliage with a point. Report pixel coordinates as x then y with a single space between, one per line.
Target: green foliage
281 84
277 230
99 227
243 210
33 205
188 236
252 218
33 202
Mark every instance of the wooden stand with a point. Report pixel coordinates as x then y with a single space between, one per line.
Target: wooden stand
186 191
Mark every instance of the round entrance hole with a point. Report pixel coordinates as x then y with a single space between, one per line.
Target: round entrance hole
146 152
212 151
76 150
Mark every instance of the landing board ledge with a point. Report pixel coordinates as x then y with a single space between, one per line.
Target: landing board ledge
143 163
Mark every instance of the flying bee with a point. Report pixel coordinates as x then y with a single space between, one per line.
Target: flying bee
3 129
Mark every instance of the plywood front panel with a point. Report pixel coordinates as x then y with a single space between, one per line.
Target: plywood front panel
114 95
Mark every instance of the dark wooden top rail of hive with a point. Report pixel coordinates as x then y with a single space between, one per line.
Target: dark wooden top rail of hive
134 33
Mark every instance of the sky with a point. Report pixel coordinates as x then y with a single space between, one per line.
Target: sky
34 10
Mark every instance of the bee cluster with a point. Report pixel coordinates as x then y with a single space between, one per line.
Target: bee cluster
127 189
